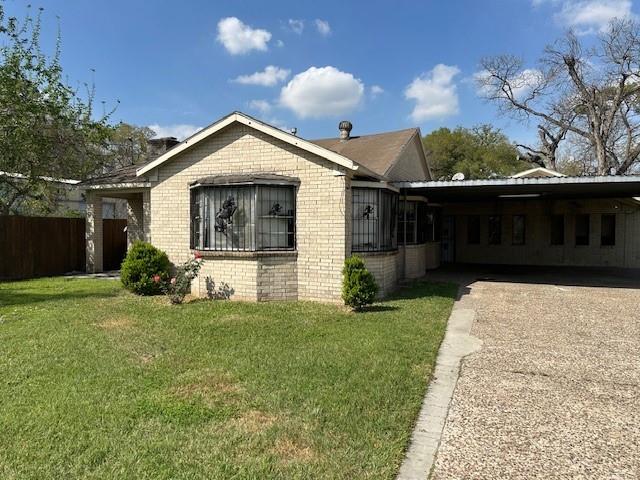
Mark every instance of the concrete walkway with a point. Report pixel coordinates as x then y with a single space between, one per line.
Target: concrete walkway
554 392
425 440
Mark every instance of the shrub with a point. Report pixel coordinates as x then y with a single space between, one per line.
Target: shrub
180 285
359 287
144 269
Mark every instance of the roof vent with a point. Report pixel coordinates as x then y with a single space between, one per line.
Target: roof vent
345 129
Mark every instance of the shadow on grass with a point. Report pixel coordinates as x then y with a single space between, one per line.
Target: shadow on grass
412 291
10 297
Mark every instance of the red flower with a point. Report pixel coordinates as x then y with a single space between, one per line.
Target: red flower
156 279
197 255
173 281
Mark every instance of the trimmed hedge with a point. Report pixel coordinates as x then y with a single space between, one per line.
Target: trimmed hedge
359 287
145 269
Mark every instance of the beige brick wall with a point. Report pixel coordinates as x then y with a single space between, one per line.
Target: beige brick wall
277 278
415 260
321 230
383 266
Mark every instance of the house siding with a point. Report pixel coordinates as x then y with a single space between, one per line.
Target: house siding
411 164
321 229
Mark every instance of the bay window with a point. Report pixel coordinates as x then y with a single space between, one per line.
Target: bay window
374 219
244 213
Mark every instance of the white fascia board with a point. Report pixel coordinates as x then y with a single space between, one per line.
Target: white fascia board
260 126
366 184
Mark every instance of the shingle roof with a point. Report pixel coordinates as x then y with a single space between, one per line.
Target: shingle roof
119 175
376 152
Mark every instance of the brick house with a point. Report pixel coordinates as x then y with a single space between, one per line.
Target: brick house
275 215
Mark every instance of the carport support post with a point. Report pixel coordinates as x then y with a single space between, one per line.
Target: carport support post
93 232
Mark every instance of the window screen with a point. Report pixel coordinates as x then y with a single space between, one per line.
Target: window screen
557 229
473 229
495 230
243 217
582 229
608 230
374 219
519 230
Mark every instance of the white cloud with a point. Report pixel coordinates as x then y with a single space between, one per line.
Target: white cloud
376 90
588 16
319 92
180 131
296 25
239 38
271 76
279 43
435 93
261 106
323 27
521 84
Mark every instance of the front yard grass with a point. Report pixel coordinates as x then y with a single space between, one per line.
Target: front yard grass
98 383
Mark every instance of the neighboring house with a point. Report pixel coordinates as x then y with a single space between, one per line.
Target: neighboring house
275 215
70 199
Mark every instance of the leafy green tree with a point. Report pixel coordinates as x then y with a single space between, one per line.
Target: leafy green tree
47 128
129 144
479 152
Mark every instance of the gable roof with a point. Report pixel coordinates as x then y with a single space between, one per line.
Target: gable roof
378 152
245 119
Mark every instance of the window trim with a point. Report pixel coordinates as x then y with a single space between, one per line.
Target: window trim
254 182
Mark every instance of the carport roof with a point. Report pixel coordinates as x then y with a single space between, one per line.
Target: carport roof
519 188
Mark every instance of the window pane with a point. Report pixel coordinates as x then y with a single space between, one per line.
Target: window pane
276 218
557 229
608 230
365 219
582 229
473 229
196 219
410 220
231 218
495 230
519 233
388 223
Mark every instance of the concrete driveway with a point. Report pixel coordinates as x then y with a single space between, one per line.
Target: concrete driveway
554 391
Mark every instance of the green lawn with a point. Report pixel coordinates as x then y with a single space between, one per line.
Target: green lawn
98 383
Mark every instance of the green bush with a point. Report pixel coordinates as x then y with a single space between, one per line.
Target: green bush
359 287
145 269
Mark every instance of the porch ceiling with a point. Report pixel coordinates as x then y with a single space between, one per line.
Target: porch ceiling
522 188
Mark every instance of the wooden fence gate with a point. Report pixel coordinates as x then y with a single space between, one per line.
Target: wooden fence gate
44 246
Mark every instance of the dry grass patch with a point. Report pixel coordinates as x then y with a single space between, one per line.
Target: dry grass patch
120 322
291 451
209 386
254 421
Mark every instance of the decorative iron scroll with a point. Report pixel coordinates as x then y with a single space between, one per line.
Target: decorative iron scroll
224 217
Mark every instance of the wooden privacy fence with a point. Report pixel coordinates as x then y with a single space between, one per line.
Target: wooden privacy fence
44 246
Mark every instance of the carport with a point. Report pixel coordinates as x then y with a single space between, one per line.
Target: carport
571 221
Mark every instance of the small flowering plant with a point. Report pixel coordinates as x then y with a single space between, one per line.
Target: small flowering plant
178 287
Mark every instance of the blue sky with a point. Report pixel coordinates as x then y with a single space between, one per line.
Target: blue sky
384 65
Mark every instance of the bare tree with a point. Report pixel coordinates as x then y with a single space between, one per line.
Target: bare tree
590 93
